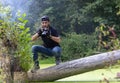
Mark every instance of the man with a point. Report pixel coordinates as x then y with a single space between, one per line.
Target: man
50 45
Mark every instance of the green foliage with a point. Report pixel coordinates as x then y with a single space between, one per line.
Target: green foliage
118 6
24 44
76 15
107 39
79 16
15 37
76 46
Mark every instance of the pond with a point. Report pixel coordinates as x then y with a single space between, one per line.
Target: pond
96 76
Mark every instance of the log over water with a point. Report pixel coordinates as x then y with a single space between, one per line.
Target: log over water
75 67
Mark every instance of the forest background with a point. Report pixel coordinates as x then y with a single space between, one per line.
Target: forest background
75 20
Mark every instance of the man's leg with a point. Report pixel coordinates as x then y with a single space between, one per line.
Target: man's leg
39 49
57 53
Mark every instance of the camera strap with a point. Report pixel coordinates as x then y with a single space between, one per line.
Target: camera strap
50 31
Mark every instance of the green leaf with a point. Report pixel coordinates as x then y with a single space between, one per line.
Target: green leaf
20 19
24 15
21 27
118 13
25 21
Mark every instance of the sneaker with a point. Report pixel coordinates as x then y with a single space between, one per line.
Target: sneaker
35 68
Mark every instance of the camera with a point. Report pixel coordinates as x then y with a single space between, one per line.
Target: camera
45 32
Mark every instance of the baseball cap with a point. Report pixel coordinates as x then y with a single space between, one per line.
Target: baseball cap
45 18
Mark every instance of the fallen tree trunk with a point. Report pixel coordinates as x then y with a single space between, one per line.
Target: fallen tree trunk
74 67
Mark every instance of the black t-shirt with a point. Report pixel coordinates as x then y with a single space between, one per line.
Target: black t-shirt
47 42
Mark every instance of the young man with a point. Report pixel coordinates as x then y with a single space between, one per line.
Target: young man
50 45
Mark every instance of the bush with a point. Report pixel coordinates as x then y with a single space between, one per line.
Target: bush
15 37
76 46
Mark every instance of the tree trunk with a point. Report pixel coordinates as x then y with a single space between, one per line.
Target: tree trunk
20 76
10 70
5 72
75 67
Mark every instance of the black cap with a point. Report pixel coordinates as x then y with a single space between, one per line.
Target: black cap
45 18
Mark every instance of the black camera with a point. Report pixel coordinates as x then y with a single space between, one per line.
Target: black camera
45 32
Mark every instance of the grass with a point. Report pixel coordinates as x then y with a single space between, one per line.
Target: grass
49 60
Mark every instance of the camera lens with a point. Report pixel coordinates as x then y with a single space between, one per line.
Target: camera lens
45 31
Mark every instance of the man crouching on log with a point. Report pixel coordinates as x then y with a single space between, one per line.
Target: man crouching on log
50 45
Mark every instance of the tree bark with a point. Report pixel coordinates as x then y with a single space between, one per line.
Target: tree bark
5 73
10 70
75 67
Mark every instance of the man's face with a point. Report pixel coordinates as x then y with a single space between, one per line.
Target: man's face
45 24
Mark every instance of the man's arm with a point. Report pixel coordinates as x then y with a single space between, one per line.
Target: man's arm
35 36
56 39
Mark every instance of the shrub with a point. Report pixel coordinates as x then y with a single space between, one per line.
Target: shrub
78 45
15 37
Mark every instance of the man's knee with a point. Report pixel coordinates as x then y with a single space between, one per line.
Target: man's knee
34 47
57 49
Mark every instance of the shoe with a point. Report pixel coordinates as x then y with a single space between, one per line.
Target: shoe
58 61
35 68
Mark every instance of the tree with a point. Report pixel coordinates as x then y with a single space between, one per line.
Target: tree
79 16
15 40
74 67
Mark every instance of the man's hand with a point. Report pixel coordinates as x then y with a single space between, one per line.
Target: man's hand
35 36
56 39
